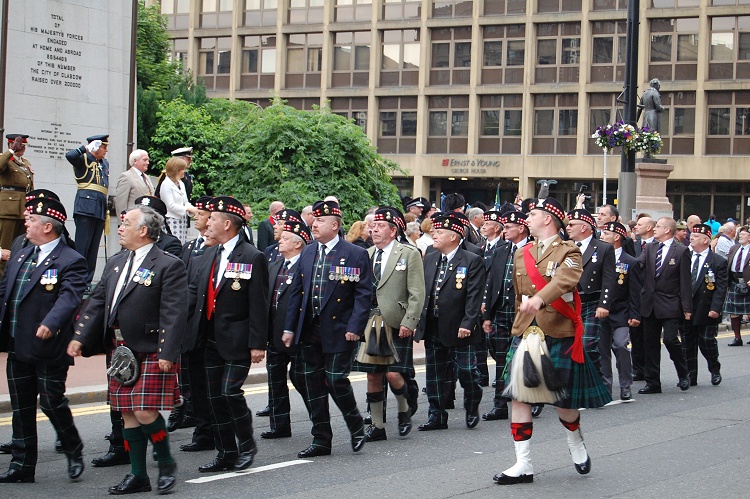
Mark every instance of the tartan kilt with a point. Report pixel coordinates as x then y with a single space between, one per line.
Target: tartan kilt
405 350
583 385
154 390
736 303
591 324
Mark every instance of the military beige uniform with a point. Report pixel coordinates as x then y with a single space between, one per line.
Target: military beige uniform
16 179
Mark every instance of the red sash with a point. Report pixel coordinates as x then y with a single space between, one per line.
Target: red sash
559 304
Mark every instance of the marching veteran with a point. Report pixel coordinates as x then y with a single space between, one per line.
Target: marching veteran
138 309
549 364
16 179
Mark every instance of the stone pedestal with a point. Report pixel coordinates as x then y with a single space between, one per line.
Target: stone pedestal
651 188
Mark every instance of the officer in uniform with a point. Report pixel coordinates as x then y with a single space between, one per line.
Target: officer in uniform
91 170
16 179
40 294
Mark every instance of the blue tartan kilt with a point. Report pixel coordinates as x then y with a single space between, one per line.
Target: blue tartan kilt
588 313
583 384
405 350
736 303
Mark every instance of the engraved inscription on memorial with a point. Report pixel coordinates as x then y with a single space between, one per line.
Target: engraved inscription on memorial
58 54
52 142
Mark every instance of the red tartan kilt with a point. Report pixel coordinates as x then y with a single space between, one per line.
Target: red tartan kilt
154 390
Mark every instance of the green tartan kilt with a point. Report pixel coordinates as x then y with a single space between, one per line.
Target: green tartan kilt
584 388
405 350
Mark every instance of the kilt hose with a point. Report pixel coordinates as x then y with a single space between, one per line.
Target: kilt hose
736 303
701 336
591 331
652 334
202 434
25 382
324 374
231 420
154 391
278 390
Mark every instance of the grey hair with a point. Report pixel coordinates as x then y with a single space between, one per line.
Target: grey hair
412 228
135 156
150 219
57 226
474 212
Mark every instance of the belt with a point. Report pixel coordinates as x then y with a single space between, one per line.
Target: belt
119 340
93 187
10 188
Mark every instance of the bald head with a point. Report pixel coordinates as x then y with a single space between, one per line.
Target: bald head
644 227
692 221
275 207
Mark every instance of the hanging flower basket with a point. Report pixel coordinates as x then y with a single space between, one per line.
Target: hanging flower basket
620 134
648 141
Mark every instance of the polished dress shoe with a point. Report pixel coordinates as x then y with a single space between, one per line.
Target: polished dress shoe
736 343
16 476
432 424
177 417
685 383
649 389
218 464
503 479
404 423
245 459
197 447
374 434
584 468
358 439
285 432
536 409
472 418
167 479
264 413
495 414
314 451
367 419
113 457
6 448
58 445
131 484
715 379
625 393
75 465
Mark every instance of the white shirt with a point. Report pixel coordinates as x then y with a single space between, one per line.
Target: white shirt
618 252
386 253
701 259
227 249
450 255
292 260
741 253
140 255
329 245
175 198
45 249
665 249
584 244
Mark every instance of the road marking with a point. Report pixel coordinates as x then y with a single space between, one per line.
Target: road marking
236 474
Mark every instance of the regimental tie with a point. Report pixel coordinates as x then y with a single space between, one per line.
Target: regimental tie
658 259
694 270
120 289
281 277
439 278
377 271
740 257
318 280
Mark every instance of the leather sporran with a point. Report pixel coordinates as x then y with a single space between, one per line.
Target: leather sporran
377 346
124 366
741 287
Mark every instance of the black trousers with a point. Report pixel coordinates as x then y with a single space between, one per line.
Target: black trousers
199 395
88 236
277 364
703 337
25 382
230 417
637 349
652 333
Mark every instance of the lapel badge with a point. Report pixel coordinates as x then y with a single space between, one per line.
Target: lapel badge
671 261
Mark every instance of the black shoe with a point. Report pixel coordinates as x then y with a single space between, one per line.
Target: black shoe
58 445
736 343
625 393
358 440
218 464
367 419
496 413
277 433
503 479
472 418
638 377
373 433
432 424
245 459
584 468
413 401
6 448
264 413
16 476
715 379
649 389
196 447
536 410
130 485
167 481
113 457
190 422
314 451
176 417
75 465
685 383
404 423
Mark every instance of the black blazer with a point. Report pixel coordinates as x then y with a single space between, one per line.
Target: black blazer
730 260
277 316
240 316
705 299
152 318
460 306
496 292
54 308
465 245
669 295
170 244
598 271
265 234
625 293
189 252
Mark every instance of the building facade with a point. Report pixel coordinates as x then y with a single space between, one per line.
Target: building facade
470 95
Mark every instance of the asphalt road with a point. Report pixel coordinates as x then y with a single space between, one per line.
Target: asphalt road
677 444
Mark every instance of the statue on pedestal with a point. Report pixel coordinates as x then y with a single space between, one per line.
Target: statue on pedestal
650 106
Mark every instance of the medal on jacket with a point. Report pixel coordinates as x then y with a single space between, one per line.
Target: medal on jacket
622 269
289 278
49 279
710 280
593 257
460 276
551 269
401 265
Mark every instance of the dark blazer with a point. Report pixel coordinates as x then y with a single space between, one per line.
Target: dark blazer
53 308
598 271
170 244
705 299
152 318
474 237
346 304
669 295
465 245
265 234
497 292
625 296
240 316
277 316
459 307
730 260
272 252
189 252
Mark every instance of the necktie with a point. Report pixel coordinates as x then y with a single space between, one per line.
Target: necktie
540 251
148 184
579 243
643 244
740 257
198 244
513 250
439 282
118 292
212 285
658 259
694 270
319 281
217 267
280 279
377 270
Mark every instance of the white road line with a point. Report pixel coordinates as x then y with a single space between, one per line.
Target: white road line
236 474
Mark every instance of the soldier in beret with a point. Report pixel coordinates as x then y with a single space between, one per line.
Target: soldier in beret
16 179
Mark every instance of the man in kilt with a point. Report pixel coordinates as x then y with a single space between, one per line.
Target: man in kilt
738 297
549 364
500 302
709 276
140 304
398 296
596 281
